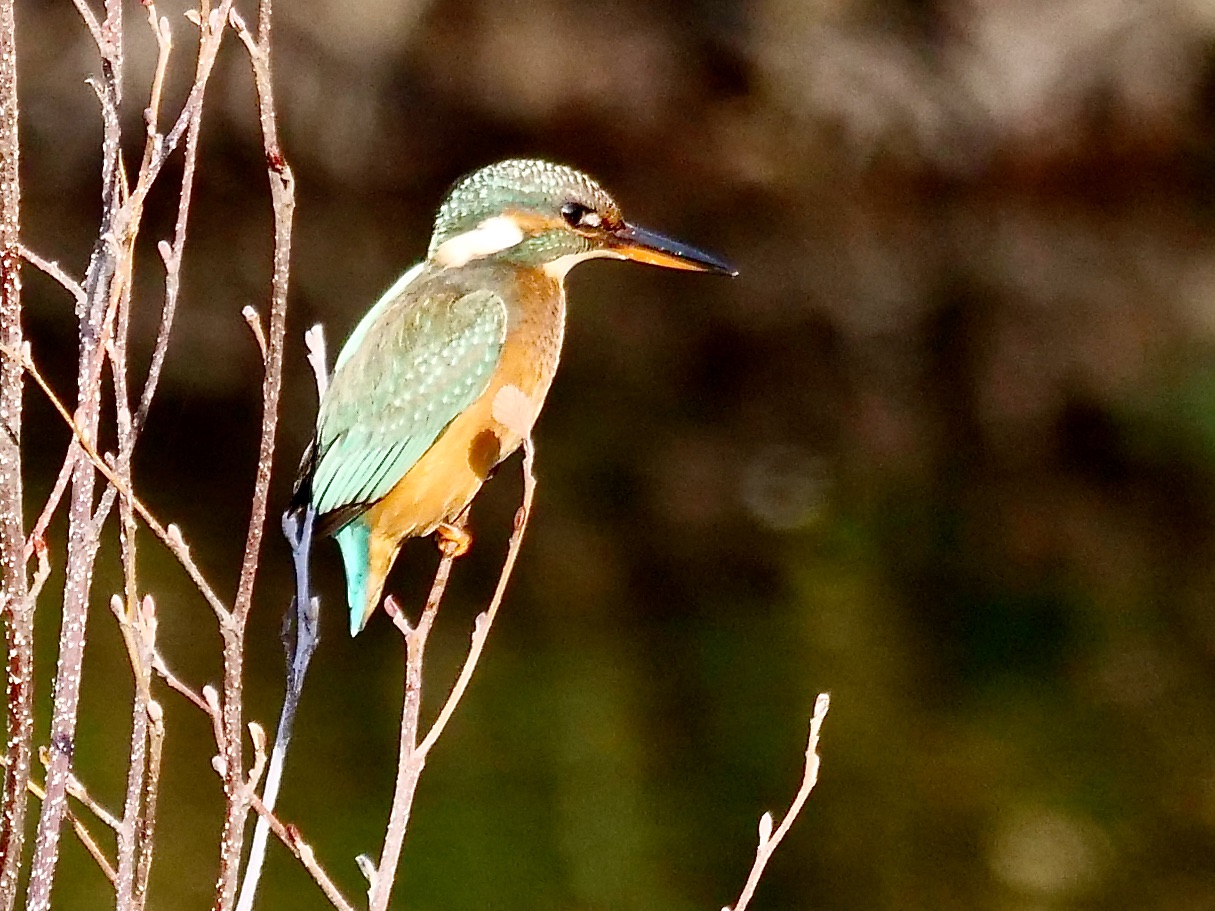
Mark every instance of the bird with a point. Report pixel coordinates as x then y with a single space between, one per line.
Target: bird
446 374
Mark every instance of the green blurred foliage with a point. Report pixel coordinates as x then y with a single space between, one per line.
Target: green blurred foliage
945 448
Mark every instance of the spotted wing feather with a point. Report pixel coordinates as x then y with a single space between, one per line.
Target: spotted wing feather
427 358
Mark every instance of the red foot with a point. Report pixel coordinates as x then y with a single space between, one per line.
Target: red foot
454 540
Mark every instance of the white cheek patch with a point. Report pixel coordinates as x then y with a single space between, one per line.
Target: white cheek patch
560 266
491 236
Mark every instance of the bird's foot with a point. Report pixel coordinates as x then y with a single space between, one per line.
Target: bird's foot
454 540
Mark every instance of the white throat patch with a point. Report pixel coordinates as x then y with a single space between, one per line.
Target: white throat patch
491 236
561 266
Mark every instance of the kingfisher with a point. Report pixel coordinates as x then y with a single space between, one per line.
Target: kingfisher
445 376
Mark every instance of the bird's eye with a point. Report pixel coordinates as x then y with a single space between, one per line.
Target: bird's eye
577 215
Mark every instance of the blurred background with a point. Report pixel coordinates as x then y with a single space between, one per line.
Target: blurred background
946 448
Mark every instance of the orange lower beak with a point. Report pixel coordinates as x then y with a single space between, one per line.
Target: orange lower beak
646 246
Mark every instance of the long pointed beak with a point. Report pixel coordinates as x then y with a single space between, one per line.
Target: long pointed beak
647 246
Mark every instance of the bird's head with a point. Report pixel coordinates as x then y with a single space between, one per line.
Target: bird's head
547 216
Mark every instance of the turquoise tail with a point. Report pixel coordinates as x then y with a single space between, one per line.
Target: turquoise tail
355 541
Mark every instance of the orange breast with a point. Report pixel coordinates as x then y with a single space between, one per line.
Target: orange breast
451 472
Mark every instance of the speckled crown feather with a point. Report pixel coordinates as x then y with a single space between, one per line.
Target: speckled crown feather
526 184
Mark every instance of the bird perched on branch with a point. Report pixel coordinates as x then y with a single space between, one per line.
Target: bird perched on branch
445 376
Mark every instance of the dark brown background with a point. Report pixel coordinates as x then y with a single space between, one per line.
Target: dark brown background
946 447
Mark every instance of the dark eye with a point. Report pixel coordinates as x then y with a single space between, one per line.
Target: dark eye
577 215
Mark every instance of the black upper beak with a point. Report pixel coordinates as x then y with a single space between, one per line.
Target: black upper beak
647 246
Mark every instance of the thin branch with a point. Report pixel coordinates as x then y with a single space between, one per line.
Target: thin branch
410 762
91 846
108 272
136 620
282 193
55 271
73 454
147 833
78 791
42 573
17 607
138 625
78 825
291 838
282 189
128 830
486 619
169 535
170 254
216 713
257 735
82 832
768 840
68 468
90 20
314 341
151 114
412 757
287 834
300 632
176 684
43 522
259 334
210 38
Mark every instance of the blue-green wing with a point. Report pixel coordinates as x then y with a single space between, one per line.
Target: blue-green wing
427 357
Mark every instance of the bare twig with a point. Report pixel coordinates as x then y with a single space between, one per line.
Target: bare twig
287 834
282 193
78 791
300 632
412 757
128 830
136 621
74 453
314 341
156 150
410 761
90 20
91 845
78 825
169 535
151 114
257 736
211 33
486 619
259 334
176 684
282 189
43 522
147 833
17 607
105 278
768 840
290 836
55 271
170 254
82 832
43 572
